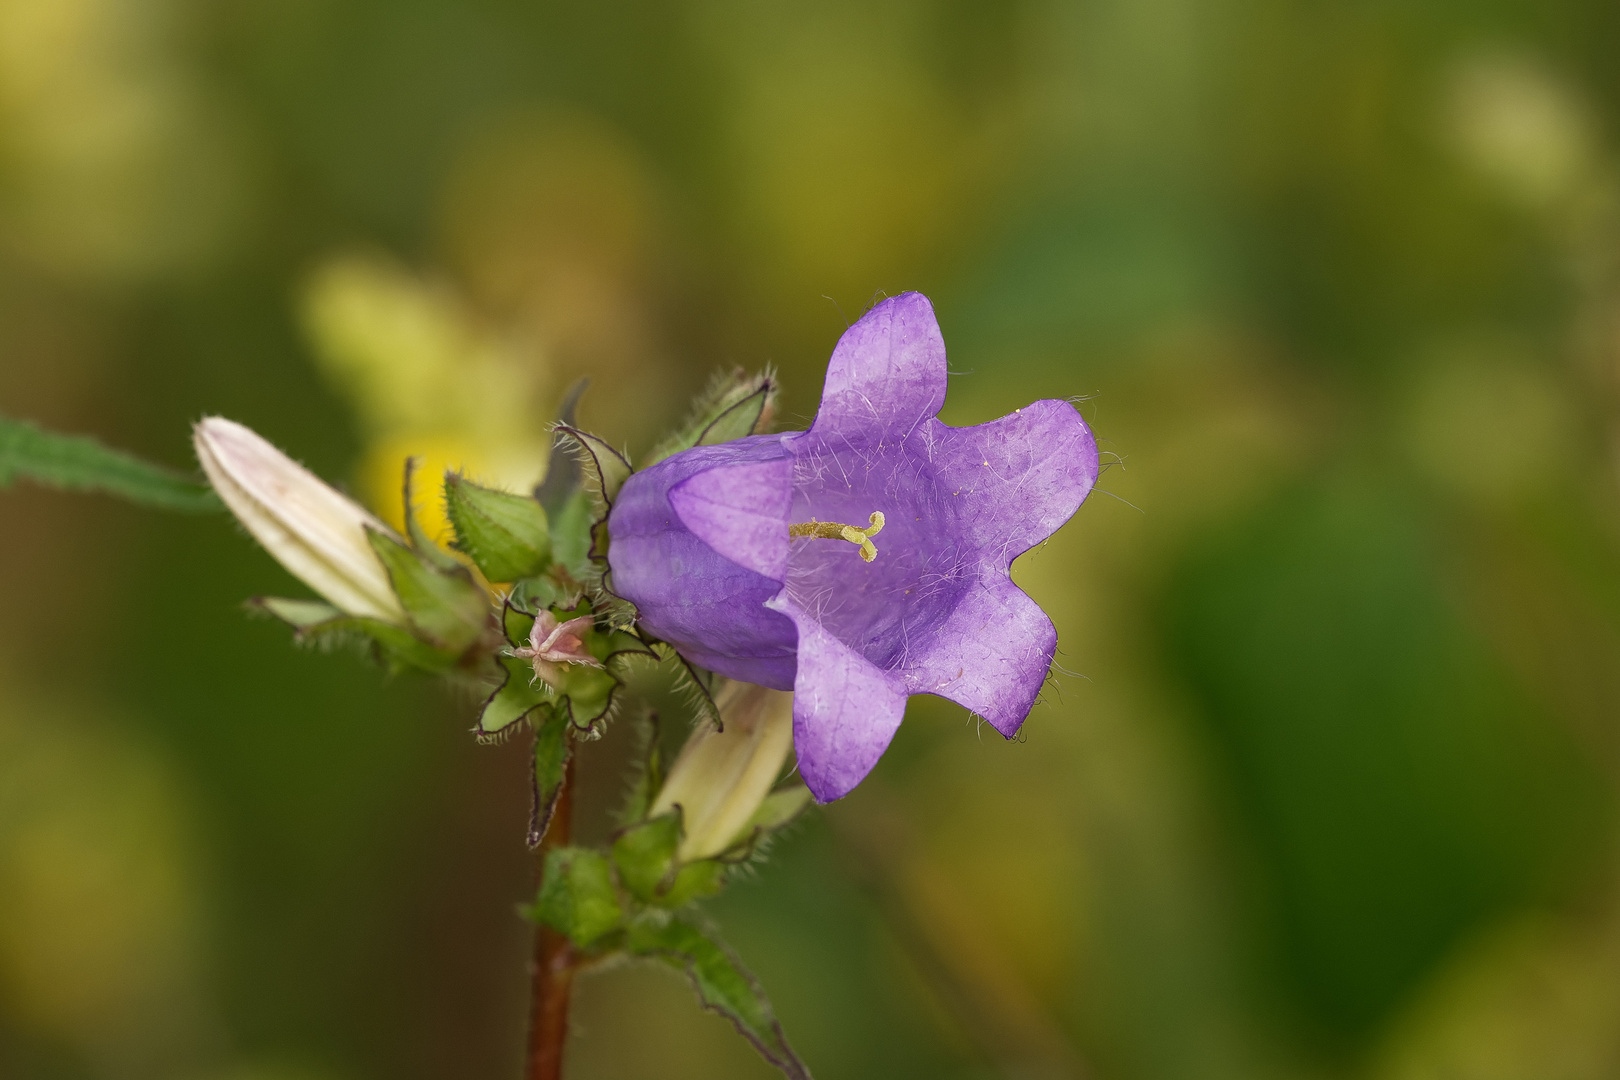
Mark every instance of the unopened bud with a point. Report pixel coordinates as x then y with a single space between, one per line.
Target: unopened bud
722 776
318 534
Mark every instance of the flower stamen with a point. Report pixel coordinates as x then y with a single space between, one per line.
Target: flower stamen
833 530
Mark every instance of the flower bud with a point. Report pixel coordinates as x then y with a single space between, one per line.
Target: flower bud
318 534
722 776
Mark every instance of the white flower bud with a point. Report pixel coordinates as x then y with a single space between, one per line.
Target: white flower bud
721 777
318 534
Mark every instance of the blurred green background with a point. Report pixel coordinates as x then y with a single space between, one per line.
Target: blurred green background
1326 785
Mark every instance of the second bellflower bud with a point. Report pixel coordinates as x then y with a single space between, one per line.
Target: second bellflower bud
318 534
723 775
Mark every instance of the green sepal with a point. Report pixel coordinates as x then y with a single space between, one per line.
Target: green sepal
507 535
583 693
445 606
649 773
693 880
644 853
723 985
735 404
423 544
519 694
697 682
571 532
577 897
739 420
299 614
80 463
320 625
605 469
776 811
553 746
587 692
532 594
563 477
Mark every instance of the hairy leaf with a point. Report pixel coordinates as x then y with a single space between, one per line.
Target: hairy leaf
80 463
644 852
577 896
722 984
553 746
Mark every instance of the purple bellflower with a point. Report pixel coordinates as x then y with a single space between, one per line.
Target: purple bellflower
762 558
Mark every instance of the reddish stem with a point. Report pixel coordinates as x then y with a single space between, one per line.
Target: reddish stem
552 970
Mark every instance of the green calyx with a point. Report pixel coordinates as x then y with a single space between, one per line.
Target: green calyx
508 536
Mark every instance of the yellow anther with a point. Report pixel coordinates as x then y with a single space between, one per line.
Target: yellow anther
833 530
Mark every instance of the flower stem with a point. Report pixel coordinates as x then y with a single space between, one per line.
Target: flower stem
552 970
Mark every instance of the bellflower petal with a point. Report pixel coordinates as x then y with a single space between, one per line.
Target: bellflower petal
845 711
701 545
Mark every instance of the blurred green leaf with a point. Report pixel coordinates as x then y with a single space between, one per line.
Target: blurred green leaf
643 853
577 896
80 463
722 984
694 880
507 535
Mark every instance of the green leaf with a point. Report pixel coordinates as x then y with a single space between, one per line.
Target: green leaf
507 535
734 404
723 985
606 469
519 694
80 463
446 606
553 746
420 540
577 897
644 852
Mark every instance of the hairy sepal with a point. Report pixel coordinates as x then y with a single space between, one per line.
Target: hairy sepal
735 404
507 536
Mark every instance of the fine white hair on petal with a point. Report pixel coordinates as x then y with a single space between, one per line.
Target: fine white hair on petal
318 534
